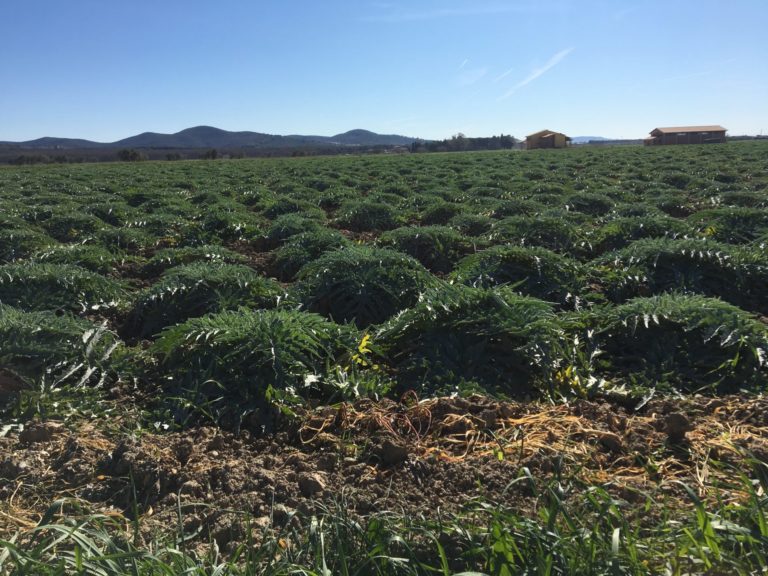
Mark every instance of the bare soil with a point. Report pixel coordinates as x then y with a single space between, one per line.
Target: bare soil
418 458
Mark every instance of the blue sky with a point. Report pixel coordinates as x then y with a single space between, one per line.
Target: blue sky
104 70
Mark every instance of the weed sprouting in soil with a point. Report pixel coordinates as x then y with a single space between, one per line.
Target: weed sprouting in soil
573 529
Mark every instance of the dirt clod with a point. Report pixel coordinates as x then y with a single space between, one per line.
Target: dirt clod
184 450
311 484
11 468
676 425
282 514
297 462
611 441
217 443
40 432
391 453
326 462
488 417
192 488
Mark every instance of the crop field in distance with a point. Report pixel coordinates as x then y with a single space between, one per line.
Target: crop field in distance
541 362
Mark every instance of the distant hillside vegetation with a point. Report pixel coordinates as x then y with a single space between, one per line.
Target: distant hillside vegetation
361 137
210 137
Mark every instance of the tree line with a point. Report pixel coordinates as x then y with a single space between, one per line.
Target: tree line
461 143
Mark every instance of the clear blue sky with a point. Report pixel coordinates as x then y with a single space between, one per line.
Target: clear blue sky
107 69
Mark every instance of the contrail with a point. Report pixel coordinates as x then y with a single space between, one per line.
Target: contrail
551 63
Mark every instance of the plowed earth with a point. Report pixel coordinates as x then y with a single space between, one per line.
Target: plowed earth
418 458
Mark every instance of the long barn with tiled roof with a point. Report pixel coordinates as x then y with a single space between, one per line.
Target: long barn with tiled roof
686 135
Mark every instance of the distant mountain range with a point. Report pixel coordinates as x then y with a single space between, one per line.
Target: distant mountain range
210 137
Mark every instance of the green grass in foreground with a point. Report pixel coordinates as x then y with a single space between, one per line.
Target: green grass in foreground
574 529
